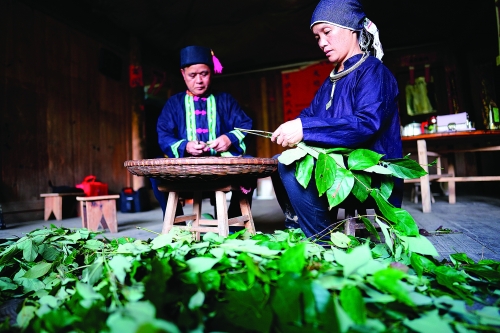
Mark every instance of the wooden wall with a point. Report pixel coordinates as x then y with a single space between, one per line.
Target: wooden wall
260 96
61 119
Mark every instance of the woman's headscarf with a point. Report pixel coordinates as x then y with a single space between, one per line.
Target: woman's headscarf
348 14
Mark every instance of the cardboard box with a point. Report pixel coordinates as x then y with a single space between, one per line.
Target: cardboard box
453 122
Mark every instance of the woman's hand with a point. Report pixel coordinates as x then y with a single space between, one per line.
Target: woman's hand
288 134
196 148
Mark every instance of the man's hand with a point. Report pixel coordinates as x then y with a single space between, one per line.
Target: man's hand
288 134
196 148
221 144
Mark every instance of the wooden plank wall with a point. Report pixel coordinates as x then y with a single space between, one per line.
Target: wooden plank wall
61 119
260 95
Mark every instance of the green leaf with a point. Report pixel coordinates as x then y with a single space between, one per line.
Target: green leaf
161 241
483 271
362 185
385 231
24 317
389 280
93 273
405 168
9 253
448 276
421 264
489 315
370 227
120 265
294 259
30 250
201 264
291 155
314 152
387 210
197 300
339 239
352 302
406 225
94 244
236 282
429 322
461 257
38 270
361 159
50 253
358 257
304 169
339 160
88 294
341 187
419 244
386 186
29 285
325 173
338 150
137 247
249 246
378 169
287 298
7 284
157 325
344 321
211 280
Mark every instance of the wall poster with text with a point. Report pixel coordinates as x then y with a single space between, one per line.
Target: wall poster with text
300 86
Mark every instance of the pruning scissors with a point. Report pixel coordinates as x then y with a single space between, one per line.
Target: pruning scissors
268 135
264 134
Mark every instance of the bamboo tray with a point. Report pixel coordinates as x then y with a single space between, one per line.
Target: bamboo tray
202 168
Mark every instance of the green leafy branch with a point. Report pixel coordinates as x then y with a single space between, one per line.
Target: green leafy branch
339 172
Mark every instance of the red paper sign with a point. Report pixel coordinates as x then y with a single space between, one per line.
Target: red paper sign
299 87
135 76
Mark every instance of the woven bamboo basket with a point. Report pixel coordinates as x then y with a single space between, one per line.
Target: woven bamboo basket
202 168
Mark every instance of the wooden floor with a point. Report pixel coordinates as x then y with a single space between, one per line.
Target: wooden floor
474 222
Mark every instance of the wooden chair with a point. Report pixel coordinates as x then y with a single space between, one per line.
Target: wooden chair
99 210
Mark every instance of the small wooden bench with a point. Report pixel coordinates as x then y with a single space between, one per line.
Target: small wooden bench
54 204
99 210
198 224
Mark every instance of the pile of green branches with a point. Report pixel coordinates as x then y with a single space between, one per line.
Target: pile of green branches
73 281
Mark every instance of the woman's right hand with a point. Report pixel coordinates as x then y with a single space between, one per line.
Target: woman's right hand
288 134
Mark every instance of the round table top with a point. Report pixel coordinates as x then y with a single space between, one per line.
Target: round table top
203 168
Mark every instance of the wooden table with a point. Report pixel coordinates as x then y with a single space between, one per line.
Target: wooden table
450 144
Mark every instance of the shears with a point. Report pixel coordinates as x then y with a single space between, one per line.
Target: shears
314 152
264 134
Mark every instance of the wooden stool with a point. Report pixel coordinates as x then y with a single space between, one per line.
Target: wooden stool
416 193
99 210
352 224
54 204
199 225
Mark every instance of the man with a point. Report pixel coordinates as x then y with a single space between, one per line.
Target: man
199 121
356 107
